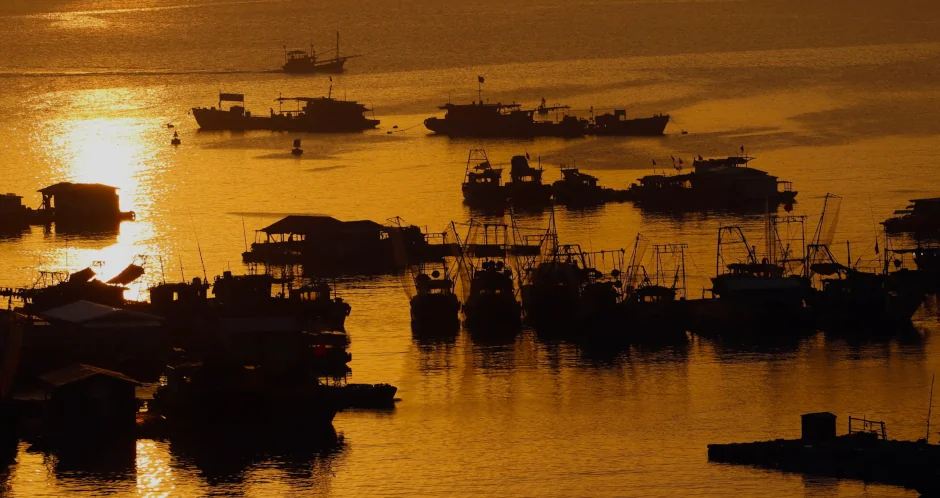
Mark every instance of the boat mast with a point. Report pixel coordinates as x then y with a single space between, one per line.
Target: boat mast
337 45
929 407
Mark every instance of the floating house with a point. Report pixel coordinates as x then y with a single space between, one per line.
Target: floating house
327 246
82 398
82 203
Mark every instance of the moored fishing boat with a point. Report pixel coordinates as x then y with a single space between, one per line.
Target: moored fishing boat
312 114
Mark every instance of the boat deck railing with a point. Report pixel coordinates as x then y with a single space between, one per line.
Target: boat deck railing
865 426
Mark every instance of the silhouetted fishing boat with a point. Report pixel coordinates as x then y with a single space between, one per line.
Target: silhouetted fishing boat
846 296
482 184
480 119
618 124
576 188
715 183
313 114
491 303
303 62
921 216
654 302
434 307
525 187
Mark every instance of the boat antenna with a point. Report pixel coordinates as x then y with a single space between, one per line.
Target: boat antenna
162 270
202 261
244 232
337 45
929 406
182 274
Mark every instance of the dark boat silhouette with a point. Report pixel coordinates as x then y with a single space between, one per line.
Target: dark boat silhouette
303 62
618 124
922 216
313 114
714 183
480 119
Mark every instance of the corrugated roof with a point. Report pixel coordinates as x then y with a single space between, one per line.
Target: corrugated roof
310 224
75 373
83 312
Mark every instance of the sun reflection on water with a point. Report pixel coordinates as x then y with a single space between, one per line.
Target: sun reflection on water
154 473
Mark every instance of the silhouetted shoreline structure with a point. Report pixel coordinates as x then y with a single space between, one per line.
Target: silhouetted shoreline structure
313 115
863 453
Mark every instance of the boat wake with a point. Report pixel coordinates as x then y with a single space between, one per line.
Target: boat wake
127 72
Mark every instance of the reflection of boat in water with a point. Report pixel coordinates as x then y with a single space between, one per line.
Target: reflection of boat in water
618 124
302 62
313 114
715 183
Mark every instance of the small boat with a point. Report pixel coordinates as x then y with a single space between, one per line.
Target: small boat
482 184
176 139
525 187
434 307
297 151
303 62
374 396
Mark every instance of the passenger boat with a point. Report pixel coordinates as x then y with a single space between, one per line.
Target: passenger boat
312 114
303 62
715 183
618 124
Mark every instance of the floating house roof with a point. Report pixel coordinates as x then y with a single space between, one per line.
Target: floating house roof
79 372
304 224
87 313
69 187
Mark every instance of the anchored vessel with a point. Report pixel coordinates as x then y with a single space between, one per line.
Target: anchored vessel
921 216
722 183
313 114
576 188
302 62
618 124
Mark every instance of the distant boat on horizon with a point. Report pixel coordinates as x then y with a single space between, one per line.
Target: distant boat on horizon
303 62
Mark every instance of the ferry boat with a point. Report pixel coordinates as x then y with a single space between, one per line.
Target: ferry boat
303 62
618 124
312 114
724 183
